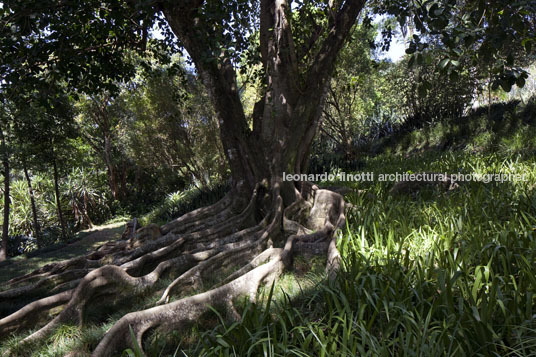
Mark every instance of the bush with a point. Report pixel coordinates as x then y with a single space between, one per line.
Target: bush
20 244
427 96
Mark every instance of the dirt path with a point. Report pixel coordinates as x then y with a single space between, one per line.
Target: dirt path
86 241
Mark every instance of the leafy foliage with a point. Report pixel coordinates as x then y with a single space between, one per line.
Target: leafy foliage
484 34
80 48
354 108
85 198
426 95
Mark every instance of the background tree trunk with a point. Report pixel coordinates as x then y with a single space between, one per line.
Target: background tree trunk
7 201
37 228
58 200
112 172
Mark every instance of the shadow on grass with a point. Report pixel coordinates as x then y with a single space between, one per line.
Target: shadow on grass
83 243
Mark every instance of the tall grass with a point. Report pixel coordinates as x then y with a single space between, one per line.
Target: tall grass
426 275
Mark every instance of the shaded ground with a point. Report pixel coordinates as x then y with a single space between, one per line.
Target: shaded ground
86 241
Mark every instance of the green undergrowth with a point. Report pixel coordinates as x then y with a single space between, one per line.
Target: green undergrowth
427 274
178 203
509 129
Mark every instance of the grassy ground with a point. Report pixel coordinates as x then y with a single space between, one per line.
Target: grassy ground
425 274
84 242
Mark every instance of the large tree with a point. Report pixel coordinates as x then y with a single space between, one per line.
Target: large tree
264 220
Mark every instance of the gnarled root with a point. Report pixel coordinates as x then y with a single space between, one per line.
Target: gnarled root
328 211
193 247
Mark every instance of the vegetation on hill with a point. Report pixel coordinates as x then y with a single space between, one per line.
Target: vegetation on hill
509 130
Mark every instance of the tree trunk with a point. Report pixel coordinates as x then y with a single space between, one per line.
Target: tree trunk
258 227
37 228
112 171
7 200
112 181
286 119
58 200
489 96
124 176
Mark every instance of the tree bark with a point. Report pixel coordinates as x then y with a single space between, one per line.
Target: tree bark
7 200
489 95
58 200
37 228
103 146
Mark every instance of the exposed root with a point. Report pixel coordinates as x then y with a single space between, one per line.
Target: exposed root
185 311
117 253
328 211
25 316
197 218
53 269
245 250
258 260
46 283
92 261
194 246
109 279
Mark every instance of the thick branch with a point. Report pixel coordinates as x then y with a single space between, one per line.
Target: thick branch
325 59
218 74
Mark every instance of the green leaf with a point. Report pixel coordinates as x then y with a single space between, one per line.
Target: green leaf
506 85
476 314
222 342
422 90
510 60
444 63
137 349
420 59
439 11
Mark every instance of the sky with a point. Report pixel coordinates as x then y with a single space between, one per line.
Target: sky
396 51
